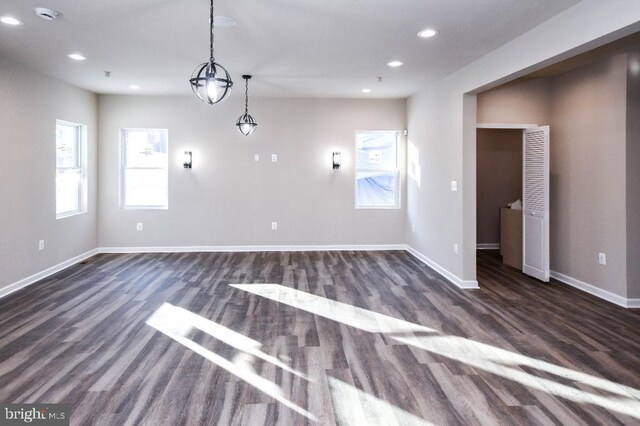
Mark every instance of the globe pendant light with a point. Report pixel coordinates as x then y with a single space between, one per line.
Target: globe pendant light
210 81
246 124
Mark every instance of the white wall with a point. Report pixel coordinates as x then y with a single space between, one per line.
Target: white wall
29 106
442 118
227 199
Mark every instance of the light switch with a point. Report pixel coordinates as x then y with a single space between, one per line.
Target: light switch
256 157
274 157
454 185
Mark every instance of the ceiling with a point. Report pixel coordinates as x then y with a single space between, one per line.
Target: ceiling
296 48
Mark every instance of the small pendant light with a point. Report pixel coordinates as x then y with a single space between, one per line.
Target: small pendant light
246 124
210 81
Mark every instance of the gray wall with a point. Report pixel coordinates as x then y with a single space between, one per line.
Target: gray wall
499 179
524 101
29 106
228 199
586 109
588 142
633 176
441 116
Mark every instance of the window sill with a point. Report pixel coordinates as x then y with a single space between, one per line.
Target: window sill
378 208
144 207
70 214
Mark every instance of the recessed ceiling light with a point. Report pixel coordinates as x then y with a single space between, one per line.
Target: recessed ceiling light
10 20
77 56
427 33
366 90
134 87
395 64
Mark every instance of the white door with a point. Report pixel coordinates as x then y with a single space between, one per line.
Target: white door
535 205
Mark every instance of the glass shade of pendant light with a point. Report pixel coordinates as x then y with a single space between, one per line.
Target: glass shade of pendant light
246 124
210 81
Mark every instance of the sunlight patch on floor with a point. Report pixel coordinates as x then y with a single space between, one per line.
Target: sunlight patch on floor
352 406
503 363
507 364
178 323
344 313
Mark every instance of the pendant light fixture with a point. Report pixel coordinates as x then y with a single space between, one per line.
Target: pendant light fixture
210 81
246 124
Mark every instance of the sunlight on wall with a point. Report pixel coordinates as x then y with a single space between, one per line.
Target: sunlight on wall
177 323
355 407
362 319
413 163
611 396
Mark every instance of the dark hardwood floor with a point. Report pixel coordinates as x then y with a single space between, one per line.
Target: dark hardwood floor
358 338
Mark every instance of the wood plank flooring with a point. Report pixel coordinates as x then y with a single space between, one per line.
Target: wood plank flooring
347 338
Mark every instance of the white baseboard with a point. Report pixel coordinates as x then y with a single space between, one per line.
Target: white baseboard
488 246
463 284
219 249
595 291
233 249
5 291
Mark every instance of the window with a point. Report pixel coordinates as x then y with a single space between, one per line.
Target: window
71 169
144 172
377 176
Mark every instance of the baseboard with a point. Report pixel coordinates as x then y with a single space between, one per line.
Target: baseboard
5 291
595 291
463 284
488 246
233 249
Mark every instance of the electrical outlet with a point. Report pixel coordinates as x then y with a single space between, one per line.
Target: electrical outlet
139 226
274 157
41 245
256 157
454 185
455 248
413 228
274 226
602 258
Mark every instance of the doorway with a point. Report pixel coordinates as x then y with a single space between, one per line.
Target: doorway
512 210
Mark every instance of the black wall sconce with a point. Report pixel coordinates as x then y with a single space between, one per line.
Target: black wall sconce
187 160
336 160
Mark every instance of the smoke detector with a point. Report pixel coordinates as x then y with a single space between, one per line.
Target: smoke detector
46 14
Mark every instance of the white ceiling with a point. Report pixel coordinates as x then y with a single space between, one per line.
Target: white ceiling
321 48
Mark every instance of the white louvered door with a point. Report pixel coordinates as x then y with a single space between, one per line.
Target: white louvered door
535 206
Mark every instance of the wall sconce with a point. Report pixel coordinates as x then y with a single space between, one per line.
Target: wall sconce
336 160
187 160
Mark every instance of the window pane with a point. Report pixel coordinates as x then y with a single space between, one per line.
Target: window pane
145 187
146 148
376 189
67 146
67 191
376 150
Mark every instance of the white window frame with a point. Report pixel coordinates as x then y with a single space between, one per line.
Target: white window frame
123 169
398 201
81 152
